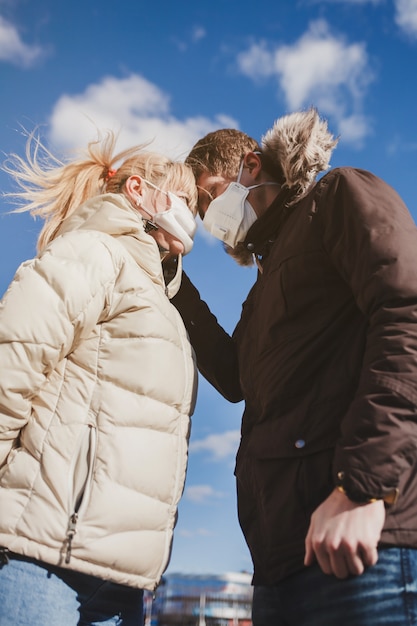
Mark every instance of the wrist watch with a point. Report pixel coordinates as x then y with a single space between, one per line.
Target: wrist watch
389 498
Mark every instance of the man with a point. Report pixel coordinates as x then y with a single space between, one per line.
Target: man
325 357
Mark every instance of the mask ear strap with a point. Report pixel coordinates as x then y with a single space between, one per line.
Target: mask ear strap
265 184
242 162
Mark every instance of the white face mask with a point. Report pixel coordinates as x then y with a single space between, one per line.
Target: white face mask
230 215
177 220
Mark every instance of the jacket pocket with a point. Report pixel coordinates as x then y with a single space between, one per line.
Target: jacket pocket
80 481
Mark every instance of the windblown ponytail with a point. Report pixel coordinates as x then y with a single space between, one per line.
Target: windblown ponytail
53 189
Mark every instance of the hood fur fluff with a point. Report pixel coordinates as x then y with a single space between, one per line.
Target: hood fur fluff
301 146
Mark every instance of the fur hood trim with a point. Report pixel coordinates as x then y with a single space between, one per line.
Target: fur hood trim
301 145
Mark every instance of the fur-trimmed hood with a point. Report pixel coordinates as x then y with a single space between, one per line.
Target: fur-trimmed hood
297 148
300 145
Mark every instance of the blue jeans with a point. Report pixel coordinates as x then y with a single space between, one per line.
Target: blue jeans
385 595
35 594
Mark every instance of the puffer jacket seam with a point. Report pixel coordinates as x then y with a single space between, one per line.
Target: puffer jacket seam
53 413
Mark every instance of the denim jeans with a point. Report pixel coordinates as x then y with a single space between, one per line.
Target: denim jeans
385 595
35 594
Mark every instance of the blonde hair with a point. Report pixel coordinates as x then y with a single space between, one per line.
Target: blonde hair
53 189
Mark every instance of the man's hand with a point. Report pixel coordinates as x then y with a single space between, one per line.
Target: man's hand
343 535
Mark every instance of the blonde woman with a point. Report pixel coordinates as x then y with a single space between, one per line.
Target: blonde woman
97 386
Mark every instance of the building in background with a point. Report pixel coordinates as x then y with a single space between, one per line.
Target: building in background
201 600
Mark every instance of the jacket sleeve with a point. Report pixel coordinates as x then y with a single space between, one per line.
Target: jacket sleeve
52 303
372 241
215 350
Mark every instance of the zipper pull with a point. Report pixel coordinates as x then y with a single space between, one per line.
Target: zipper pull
70 535
4 556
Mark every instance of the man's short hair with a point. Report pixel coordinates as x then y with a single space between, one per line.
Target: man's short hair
220 153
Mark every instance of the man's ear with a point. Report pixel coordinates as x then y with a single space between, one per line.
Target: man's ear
133 187
253 162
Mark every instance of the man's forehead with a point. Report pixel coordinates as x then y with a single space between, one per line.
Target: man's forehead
206 180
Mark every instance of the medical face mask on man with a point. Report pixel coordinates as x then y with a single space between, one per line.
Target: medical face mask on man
177 220
230 215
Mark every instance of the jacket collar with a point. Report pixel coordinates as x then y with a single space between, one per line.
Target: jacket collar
264 231
113 214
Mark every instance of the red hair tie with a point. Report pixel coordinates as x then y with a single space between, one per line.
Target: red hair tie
109 175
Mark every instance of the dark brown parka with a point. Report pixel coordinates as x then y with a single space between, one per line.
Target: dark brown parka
325 358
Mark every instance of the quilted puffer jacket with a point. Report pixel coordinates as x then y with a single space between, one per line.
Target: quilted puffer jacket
97 386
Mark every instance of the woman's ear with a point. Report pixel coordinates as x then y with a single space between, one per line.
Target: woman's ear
133 187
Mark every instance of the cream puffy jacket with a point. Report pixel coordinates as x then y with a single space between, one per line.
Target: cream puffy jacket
96 388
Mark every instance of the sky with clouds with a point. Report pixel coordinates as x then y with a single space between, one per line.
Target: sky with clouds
168 73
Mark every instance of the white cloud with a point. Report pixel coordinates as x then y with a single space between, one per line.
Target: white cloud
135 108
219 446
356 127
406 16
13 49
198 33
257 62
201 493
318 69
405 11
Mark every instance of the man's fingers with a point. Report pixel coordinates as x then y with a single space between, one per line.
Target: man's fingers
354 566
324 560
369 556
340 565
309 557
341 561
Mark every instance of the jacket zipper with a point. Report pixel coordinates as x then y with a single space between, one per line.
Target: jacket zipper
78 501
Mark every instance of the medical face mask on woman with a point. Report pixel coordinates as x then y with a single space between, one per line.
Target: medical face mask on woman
230 215
177 220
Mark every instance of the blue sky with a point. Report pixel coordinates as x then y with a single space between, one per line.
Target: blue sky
172 71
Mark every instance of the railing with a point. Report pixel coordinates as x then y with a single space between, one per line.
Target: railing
202 610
